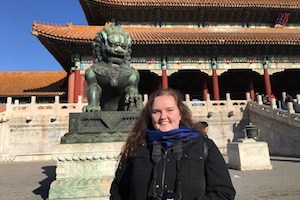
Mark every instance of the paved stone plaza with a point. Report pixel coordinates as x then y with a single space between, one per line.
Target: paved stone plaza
31 180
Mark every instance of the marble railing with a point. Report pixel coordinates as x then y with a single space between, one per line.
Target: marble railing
209 107
198 107
288 116
31 131
45 108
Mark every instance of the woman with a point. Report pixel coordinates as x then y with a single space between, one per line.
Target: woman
164 158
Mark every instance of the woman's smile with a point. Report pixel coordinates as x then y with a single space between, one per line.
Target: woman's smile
165 113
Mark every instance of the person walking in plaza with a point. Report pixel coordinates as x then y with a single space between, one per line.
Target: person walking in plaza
165 157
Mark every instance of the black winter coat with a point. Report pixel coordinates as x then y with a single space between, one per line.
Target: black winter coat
134 179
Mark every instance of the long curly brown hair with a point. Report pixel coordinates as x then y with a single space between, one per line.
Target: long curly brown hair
138 133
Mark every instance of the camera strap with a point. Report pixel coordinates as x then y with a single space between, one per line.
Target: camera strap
177 150
156 157
156 153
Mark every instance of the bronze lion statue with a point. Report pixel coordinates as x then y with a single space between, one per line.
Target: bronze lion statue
112 82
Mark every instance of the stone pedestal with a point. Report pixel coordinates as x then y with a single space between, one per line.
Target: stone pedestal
248 154
104 126
84 171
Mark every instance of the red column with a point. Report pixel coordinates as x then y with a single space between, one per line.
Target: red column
215 84
77 89
204 88
251 86
71 87
267 82
164 78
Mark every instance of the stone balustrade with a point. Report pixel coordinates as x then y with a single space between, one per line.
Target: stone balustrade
46 108
199 108
279 128
30 131
210 107
271 111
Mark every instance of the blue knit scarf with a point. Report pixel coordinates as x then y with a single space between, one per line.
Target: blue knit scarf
169 138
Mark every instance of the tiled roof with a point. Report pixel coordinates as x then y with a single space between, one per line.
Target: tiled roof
98 12
68 32
294 4
175 35
32 83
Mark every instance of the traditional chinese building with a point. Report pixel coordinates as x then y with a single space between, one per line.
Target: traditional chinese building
198 47
21 86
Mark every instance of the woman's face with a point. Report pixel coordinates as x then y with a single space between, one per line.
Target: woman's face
165 113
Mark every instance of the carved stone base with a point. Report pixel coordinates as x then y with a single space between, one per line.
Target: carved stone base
84 171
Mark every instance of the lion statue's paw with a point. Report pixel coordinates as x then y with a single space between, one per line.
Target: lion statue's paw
91 108
134 101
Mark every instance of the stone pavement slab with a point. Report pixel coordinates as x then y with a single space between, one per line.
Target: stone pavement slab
26 180
280 183
31 180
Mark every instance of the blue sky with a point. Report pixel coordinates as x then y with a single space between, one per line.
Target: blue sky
19 49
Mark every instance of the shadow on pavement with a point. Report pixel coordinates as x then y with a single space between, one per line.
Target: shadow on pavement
43 190
285 159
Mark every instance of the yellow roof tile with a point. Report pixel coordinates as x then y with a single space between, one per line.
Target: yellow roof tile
176 35
31 83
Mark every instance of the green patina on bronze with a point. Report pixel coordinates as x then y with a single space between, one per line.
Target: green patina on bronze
113 97
112 82
104 126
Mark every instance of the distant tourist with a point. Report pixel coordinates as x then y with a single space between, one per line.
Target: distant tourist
289 98
203 126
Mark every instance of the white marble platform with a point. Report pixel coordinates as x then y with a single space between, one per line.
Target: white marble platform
248 154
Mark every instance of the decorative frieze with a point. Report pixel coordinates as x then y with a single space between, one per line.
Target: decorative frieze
84 171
